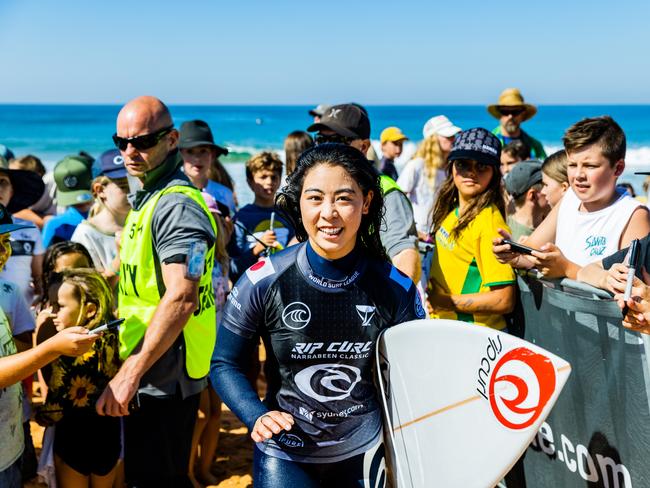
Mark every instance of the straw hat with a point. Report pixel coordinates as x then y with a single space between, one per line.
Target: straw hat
511 97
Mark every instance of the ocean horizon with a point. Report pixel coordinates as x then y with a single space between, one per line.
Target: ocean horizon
52 131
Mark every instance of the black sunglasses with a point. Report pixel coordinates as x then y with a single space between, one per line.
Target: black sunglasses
141 143
511 111
336 138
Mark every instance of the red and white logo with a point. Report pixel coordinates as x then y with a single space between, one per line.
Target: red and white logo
260 270
521 385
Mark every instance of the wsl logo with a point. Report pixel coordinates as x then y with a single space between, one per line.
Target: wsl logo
520 384
296 315
327 382
366 313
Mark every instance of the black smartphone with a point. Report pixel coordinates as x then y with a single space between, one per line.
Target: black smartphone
520 248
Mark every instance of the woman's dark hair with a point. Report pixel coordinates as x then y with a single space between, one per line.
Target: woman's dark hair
52 253
448 201
361 171
294 145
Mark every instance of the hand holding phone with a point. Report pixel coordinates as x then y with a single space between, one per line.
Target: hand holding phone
519 248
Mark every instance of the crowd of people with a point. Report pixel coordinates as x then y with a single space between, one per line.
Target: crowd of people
136 288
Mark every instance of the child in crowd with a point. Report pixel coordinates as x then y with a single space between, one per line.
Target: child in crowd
86 445
73 175
512 153
58 257
524 184
555 181
296 143
16 365
593 220
259 226
201 157
392 142
206 429
467 282
15 313
98 233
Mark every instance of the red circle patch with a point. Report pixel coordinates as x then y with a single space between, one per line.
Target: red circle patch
534 386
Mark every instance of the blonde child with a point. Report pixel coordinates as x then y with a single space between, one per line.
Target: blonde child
86 446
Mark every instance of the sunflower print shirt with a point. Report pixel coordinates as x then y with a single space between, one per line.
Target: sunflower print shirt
78 382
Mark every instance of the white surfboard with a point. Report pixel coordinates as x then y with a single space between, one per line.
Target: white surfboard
461 402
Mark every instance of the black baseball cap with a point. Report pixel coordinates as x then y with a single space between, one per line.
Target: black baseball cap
522 177
478 144
346 120
196 133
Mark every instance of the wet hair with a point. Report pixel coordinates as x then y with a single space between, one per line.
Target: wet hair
360 170
555 166
294 145
30 163
448 200
518 149
91 287
265 160
52 254
603 131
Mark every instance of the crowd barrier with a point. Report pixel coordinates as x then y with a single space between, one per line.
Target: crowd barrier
598 433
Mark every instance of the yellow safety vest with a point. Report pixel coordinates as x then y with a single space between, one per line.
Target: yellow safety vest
139 292
388 184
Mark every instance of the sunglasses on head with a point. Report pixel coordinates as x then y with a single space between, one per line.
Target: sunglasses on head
336 138
141 143
514 111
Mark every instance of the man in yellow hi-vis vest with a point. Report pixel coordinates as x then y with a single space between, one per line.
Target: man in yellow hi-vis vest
166 299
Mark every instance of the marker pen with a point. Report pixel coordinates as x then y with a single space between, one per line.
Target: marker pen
632 265
113 325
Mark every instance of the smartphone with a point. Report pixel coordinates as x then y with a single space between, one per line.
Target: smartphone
520 248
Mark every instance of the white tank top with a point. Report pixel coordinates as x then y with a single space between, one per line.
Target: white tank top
587 237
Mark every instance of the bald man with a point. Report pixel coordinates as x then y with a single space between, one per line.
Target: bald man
166 299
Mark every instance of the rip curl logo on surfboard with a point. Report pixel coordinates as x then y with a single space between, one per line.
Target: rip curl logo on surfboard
517 384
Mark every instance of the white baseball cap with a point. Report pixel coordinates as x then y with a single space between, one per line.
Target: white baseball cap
440 125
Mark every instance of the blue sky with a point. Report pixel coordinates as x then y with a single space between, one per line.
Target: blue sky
290 52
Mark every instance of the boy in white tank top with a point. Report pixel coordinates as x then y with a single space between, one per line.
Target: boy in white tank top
593 220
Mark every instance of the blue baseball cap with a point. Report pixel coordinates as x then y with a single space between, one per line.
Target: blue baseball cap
110 164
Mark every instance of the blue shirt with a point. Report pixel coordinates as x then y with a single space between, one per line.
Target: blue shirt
256 220
61 227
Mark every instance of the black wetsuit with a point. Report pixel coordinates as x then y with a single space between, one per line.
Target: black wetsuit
320 321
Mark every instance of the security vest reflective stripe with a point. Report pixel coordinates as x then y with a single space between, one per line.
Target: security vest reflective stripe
388 184
139 290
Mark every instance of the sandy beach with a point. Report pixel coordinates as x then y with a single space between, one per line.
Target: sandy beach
232 467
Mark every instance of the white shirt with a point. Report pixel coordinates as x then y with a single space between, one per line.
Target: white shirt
102 247
587 237
414 183
25 244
